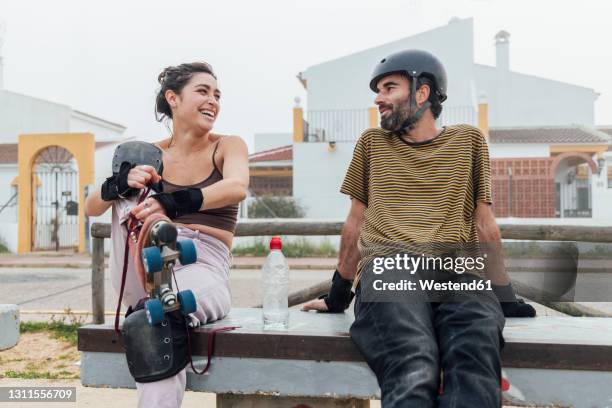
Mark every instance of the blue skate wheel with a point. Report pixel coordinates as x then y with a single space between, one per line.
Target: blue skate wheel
152 260
187 301
187 249
155 311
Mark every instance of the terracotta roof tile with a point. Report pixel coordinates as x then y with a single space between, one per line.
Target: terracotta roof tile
8 153
571 135
277 154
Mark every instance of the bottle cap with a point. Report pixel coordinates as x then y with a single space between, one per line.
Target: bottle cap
276 243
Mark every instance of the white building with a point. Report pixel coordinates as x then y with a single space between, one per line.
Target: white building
339 106
23 114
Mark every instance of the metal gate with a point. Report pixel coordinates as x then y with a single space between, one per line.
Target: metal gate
55 195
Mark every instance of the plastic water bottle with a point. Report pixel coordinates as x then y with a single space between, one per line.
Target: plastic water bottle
275 288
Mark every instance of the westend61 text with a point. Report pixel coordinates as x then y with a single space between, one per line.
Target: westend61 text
429 285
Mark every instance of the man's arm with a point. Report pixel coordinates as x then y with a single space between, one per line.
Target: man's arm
349 254
347 259
490 236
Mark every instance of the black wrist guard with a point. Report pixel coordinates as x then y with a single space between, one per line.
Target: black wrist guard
116 186
340 295
511 306
504 293
180 202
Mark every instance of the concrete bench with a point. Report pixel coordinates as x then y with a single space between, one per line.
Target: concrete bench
563 360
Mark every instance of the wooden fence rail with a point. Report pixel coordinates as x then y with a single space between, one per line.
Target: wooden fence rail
535 232
302 227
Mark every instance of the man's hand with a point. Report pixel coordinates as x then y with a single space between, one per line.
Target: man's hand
510 304
518 309
318 304
339 297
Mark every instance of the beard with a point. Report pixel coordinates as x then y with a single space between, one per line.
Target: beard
399 114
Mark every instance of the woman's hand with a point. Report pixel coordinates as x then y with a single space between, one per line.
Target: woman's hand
147 207
140 176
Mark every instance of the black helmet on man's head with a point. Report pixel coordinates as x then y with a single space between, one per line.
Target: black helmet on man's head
413 63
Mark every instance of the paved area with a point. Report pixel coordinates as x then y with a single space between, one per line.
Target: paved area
43 291
48 287
97 397
76 260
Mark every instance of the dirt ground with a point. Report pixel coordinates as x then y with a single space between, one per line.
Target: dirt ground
39 355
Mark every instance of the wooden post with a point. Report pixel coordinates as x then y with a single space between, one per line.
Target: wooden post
373 116
97 280
483 118
305 295
298 122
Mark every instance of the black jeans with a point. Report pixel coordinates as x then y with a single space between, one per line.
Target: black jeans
409 344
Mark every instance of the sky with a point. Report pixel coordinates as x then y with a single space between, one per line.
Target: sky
103 57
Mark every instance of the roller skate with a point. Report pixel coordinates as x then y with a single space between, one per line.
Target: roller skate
157 252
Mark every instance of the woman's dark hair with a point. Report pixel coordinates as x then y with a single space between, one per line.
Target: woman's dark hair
175 79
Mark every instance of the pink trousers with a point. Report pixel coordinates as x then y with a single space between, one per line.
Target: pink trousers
208 278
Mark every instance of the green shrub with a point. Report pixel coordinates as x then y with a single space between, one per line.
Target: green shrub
3 246
275 207
296 248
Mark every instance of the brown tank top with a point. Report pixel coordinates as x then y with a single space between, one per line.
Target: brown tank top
223 218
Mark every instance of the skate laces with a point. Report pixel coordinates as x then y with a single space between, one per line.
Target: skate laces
211 339
132 225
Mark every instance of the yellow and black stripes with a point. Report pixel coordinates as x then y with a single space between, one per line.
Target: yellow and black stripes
418 193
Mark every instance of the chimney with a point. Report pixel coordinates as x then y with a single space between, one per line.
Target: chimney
502 50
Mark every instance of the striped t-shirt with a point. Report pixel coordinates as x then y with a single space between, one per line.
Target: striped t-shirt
418 193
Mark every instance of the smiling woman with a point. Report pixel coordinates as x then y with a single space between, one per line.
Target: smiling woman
175 79
203 178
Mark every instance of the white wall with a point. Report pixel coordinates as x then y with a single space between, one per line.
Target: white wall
318 173
24 114
267 141
8 216
7 173
602 195
21 114
102 130
317 177
102 170
511 150
343 83
9 235
523 100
